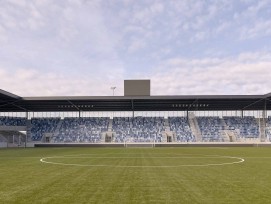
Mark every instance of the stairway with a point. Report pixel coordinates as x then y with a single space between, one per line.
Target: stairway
193 123
261 122
28 130
110 125
225 134
168 132
166 125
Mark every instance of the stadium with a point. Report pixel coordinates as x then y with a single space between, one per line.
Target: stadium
135 102
137 147
136 119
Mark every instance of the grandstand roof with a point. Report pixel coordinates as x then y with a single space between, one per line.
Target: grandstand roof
12 103
4 95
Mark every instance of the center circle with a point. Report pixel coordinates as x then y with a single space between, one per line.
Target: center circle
141 160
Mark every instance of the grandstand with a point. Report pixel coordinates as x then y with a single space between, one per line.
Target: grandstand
268 129
81 130
246 127
210 128
138 129
135 119
181 128
41 126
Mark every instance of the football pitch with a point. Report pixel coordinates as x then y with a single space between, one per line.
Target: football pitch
135 175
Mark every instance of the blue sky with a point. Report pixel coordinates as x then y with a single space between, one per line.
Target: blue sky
83 47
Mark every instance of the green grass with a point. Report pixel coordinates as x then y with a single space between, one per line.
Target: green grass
135 175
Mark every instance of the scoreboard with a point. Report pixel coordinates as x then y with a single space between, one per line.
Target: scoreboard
137 87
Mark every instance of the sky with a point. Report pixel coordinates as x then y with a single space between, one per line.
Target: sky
185 47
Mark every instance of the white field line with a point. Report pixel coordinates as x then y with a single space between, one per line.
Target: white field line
65 157
240 160
218 147
257 157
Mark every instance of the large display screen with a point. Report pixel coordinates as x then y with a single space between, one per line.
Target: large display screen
137 87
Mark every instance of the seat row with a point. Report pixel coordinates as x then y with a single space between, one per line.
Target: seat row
210 128
77 130
12 121
137 129
180 126
39 126
268 128
246 127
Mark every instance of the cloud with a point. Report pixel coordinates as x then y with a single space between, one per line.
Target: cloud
136 45
33 83
157 7
261 28
199 36
253 21
62 37
83 47
249 73
237 75
57 48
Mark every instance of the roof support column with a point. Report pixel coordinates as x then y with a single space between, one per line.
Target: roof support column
132 101
27 117
264 116
264 110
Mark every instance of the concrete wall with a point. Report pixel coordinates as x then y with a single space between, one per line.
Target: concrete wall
30 144
3 144
156 145
78 145
13 128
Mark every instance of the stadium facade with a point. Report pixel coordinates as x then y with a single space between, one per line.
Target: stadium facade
118 120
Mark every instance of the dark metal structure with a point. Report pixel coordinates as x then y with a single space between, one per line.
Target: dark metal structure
13 103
